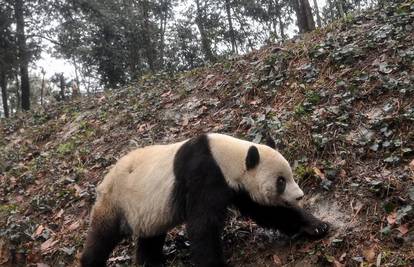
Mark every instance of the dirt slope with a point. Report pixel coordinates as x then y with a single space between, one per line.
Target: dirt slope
339 101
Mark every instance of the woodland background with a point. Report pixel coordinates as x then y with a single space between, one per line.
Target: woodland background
110 43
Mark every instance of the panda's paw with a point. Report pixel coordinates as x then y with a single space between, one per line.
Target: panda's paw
317 229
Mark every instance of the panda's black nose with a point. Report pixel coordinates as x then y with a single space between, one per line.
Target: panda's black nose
299 198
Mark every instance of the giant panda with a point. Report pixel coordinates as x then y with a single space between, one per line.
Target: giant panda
155 188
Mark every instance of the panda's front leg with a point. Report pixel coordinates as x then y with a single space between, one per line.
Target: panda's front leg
289 219
206 214
205 238
312 226
149 251
293 220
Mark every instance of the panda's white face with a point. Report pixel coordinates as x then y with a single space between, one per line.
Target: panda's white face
273 182
262 171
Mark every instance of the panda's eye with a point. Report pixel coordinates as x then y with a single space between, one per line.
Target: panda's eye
281 184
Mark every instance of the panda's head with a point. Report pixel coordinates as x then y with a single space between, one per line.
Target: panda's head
269 178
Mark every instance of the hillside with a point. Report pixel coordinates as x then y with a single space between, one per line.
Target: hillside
339 101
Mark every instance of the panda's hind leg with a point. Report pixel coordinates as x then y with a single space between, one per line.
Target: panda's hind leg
149 251
107 229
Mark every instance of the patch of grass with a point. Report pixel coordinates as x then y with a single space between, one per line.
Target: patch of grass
303 172
65 193
271 59
300 110
10 208
349 18
66 148
86 129
313 97
183 92
227 65
79 172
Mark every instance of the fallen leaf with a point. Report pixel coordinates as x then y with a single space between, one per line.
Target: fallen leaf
342 258
185 122
411 165
392 218
39 230
277 261
403 229
45 246
319 173
369 254
78 189
358 207
5 255
74 226
59 214
337 264
119 258
378 263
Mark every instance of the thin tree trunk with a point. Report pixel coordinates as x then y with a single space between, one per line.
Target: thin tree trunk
340 8
62 86
304 15
163 27
281 26
23 57
4 96
18 97
310 22
229 20
318 15
149 48
42 89
331 9
75 65
205 41
272 12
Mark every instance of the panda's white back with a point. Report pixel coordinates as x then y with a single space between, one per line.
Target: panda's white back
141 184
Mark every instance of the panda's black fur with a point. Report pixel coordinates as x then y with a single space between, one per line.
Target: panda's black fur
200 197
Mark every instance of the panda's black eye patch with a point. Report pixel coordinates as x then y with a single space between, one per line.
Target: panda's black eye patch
281 184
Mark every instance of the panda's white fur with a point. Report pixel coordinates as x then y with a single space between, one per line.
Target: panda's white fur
260 182
141 182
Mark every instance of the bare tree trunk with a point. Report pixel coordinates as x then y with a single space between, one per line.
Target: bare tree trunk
149 47
42 89
281 26
4 96
62 86
340 8
75 65
23 57
205 40
232 36
272 11
18 98
318 15
331 9
304 15
310 22
163 27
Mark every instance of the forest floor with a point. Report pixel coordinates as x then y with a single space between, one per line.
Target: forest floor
339 101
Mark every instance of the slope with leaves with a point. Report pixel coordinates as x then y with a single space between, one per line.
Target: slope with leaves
339 101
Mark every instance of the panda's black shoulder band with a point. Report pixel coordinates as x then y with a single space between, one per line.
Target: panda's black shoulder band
252 158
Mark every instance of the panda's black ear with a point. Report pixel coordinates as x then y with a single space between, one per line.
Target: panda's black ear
252 158
270 142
